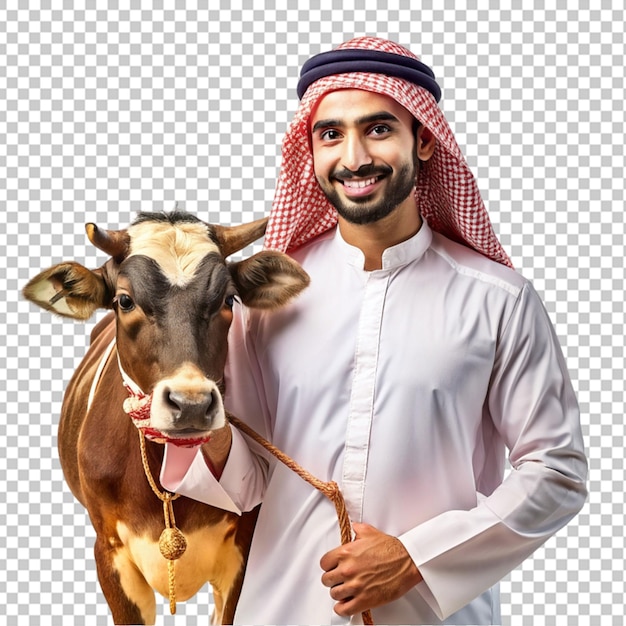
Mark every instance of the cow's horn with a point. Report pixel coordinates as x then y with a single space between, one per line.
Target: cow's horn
113 242
234 238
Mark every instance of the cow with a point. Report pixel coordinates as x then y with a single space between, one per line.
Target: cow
172 293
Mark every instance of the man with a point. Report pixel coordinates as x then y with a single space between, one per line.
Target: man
402 373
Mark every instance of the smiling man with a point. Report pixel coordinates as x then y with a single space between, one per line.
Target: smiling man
358 138
414 360
366 155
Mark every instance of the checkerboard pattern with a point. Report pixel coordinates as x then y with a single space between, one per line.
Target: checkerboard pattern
106 112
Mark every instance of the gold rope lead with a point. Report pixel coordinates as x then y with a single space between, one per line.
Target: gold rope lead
172 542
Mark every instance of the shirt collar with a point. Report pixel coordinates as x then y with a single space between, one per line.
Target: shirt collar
401 254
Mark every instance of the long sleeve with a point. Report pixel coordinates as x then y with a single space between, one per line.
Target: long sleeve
533 409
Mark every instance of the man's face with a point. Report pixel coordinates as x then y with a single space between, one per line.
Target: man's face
364 154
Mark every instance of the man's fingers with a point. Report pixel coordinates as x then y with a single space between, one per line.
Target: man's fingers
331 579
329 561
340 593
348 607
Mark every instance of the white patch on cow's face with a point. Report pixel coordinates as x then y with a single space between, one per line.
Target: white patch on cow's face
178 249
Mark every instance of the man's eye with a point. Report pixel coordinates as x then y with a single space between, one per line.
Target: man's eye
380 129
125 302
329 135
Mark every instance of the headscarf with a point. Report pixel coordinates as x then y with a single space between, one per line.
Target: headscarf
446 193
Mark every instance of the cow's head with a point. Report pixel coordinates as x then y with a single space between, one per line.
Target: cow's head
173 292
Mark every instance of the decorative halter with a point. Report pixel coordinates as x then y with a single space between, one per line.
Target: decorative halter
138 406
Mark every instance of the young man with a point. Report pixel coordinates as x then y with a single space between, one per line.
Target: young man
415 357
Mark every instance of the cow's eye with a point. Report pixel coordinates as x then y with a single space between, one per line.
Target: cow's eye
230 301
125 302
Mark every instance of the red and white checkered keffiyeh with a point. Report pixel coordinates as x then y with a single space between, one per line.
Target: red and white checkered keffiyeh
447 194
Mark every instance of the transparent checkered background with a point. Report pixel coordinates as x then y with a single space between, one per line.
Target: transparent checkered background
108 112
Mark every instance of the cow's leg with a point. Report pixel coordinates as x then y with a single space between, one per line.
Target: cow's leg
130 598
245 529
218 616
225 606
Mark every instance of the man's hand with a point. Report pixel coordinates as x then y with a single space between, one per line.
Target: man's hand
370 571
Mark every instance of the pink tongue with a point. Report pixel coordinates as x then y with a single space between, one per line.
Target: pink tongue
176 464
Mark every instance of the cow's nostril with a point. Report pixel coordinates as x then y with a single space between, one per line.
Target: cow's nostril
174 400
213 401
191 410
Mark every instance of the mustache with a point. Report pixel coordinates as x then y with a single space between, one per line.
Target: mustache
365 171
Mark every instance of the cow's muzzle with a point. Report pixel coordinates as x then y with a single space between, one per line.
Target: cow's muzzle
187 404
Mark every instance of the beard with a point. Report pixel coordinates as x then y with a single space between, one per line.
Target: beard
362 211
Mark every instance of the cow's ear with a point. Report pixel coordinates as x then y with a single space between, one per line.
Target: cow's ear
68 289
268 279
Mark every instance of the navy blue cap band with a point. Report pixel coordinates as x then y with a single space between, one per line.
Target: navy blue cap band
375 61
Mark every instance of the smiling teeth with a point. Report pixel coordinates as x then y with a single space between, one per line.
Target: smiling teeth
359 184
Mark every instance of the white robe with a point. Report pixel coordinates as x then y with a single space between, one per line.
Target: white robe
405 386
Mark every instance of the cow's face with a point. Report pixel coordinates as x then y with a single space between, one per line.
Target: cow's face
173 300
173 295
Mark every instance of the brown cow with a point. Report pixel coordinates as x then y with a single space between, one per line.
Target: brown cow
172 294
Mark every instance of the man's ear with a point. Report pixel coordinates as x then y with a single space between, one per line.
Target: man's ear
425 143
69 289
268 279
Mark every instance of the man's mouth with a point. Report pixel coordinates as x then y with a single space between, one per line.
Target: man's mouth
360 187
359 184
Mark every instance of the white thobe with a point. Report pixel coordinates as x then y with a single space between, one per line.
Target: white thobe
404 385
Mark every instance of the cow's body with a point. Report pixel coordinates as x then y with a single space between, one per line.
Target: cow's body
108 479
162 346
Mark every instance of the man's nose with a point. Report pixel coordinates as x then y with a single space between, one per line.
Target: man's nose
356 153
